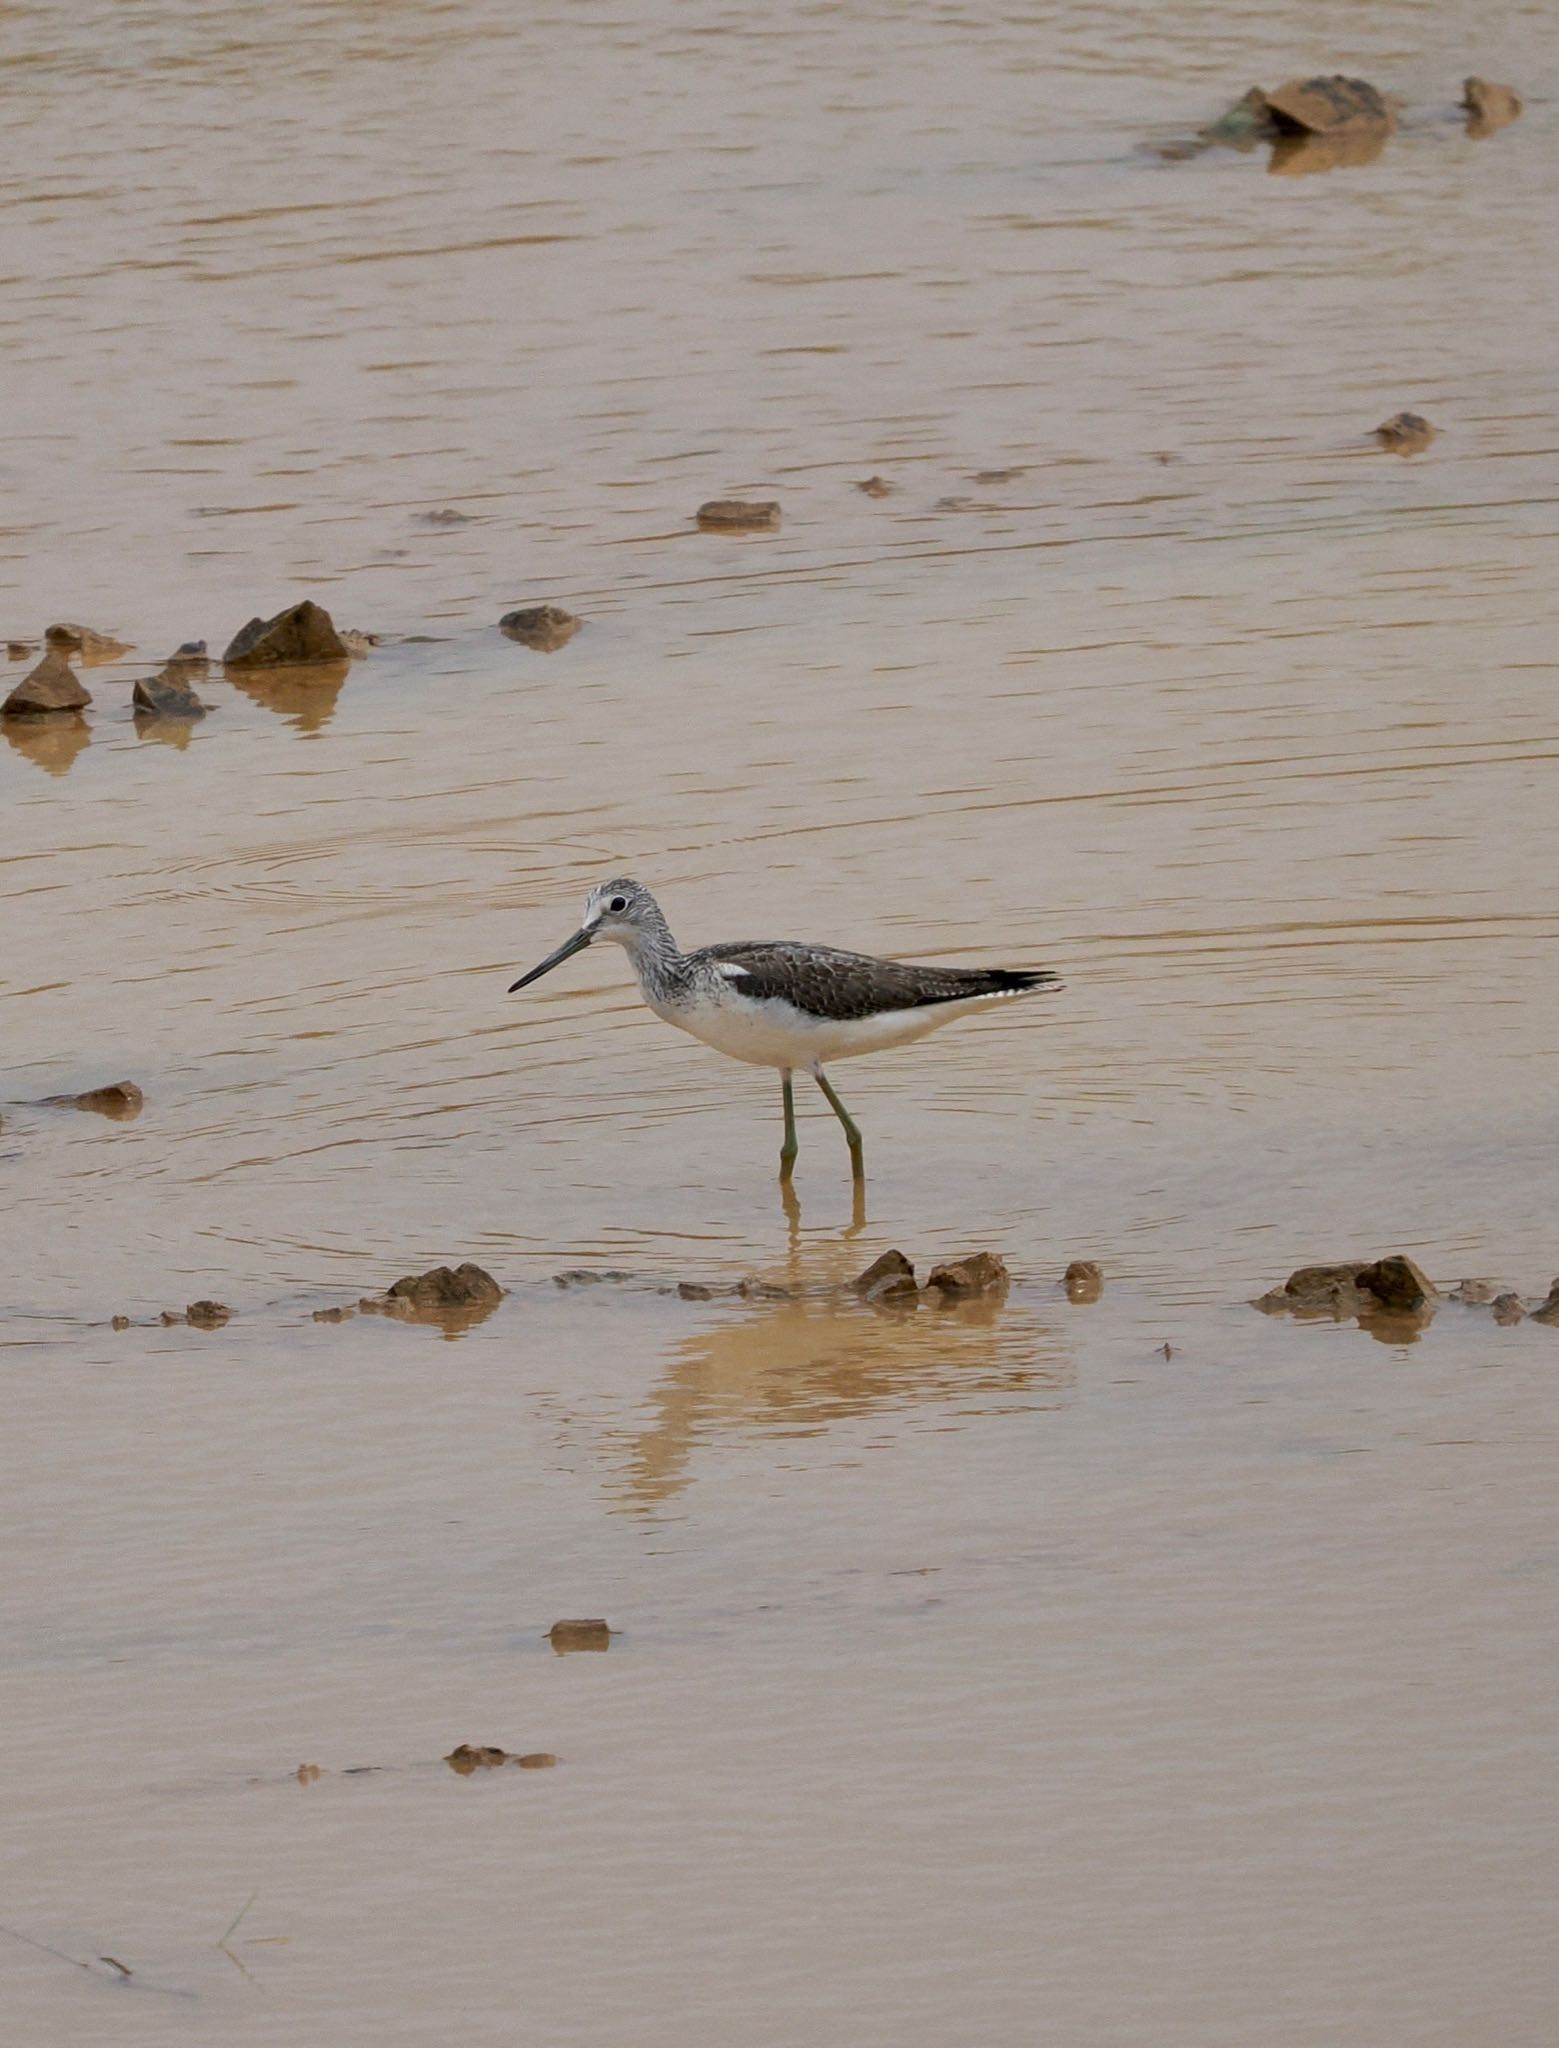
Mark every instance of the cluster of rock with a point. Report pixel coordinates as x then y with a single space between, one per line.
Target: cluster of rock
1326 123
1380 1293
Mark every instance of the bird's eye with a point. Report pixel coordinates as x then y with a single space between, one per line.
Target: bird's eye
618 903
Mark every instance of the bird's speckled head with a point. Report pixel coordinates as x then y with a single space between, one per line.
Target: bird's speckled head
622 909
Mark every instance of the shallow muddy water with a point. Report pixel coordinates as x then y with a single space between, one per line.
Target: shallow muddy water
981 1674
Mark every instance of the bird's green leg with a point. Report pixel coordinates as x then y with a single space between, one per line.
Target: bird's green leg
852 1130
789 1148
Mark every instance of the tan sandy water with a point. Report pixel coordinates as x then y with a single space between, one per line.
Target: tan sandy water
984 1676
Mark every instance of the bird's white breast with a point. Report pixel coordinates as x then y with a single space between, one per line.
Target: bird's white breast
770 1032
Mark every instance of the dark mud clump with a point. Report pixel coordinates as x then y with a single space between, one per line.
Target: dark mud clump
739 515
875 487
463 1286
1083 1281
53 687
1405 433
890 1278
200 1315
568 1636
1488 106
120 1100
977 1276
86 643
543 627
302 634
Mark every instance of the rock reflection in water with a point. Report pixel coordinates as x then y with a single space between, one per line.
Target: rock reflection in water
51 744
305 696
798 1367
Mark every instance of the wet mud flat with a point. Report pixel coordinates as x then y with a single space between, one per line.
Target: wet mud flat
840 471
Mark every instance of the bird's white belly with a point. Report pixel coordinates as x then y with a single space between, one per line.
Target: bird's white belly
773 1033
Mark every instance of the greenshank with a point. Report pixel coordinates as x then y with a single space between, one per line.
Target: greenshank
781 1003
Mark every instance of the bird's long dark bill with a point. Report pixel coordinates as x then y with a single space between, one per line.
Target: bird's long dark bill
566 951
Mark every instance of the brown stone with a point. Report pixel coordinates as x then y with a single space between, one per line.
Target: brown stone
695 1290
566 1636
1405 433
464 1286
978 1273
1549 1311
1322 106
875 487
207 1315
53 686
1475 1293
739 515
302 634
1507 1309
536 1760
18 650
468 1757
89 645
167 695
1084 1281
120 1100
1488 106
119 1322
542 627
1398 1285
890 1278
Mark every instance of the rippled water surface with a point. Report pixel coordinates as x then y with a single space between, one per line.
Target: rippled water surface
1145 1673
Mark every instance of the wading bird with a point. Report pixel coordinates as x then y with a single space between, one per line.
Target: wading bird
781 1003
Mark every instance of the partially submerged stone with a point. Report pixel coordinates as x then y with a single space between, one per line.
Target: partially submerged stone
1395 1286
1549 1312
167 695
52 687
875 486
1475 1293
977 1274
442 515
565 1636
1405 433
694 1290
1507 1309
589 1276
301 634
739 515
120 1100
1327 105
543 627
86 643
537 1760
889 1278
207 1315
463 1286
1488 106
18 650
1084 1281
468 1757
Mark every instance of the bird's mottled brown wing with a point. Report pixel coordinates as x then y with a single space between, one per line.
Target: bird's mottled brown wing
825 982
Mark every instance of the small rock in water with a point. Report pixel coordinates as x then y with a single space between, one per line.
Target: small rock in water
875 487
890 1278
739 515
695 1290
1398 1285
1355 1287
1549 1312
565 1636
1083 1280
167 696
1507 1309
536 1760
53 686
588 1276
1488 106
979 1273
996 476
120 1100
358 644
443 515
468 1757
334 1315
192 652
1475 1293
119 1322
543 627
1405 433
303 633
1323 106
18 650
464 1286
207 1315
90 645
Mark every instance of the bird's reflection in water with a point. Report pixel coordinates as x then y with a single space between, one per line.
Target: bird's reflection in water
812 1355
304 695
